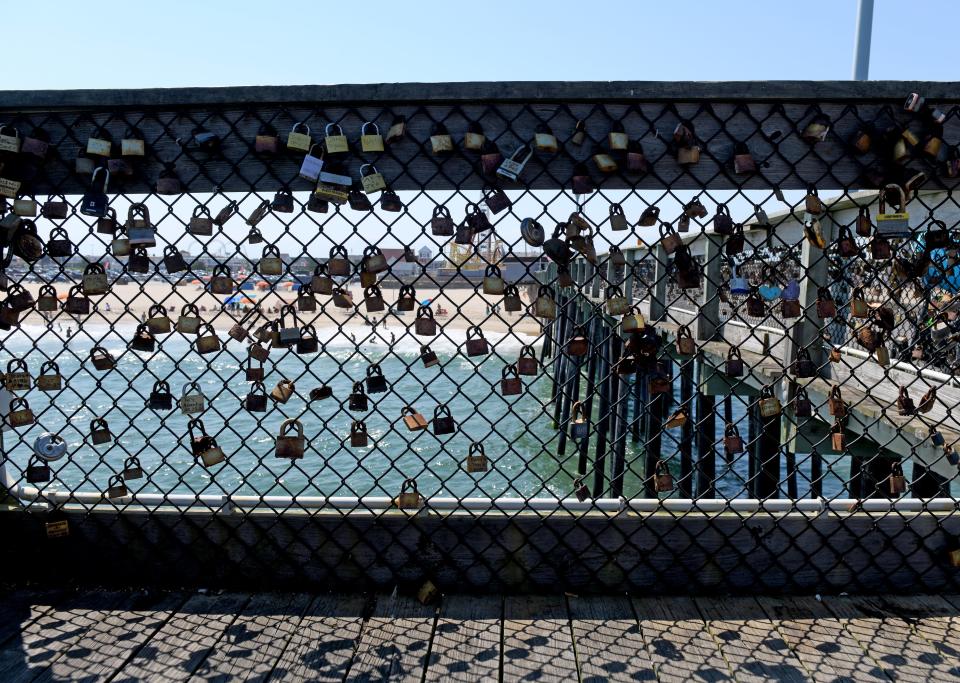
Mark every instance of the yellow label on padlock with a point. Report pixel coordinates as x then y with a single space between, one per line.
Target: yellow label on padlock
894 217
99 147
299 141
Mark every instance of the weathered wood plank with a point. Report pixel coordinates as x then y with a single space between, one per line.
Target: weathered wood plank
536 639
323 644
54 631
466 641
934 618
903 654
395 641
18 607
817 638
608 641
255 641
749 641
185 641
108 643
678 641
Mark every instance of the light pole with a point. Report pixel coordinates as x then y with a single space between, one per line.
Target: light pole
861 45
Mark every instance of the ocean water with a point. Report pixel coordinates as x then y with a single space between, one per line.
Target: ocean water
516 432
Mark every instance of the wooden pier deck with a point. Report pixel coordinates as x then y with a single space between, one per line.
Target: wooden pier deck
110 635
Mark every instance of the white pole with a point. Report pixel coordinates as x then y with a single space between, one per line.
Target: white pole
861 45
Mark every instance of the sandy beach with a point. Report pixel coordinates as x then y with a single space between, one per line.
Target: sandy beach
130 303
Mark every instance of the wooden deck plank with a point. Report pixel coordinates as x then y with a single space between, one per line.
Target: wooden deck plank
186 640
749 641
254 642
17 607
109 642
395 641
932 619
903 654
678 640
323 644
537 644
608 641
53 631
466 641
828 653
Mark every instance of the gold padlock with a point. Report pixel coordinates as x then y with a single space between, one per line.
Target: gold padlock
270 263
297 140
477 459
372 181
20 414
370 142
283 391
334 140
409 497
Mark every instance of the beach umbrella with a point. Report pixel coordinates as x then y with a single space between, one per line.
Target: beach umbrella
263 284
239 299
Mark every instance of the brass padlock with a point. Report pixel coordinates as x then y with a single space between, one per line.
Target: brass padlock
677 419
443 422
338 264
477 459
425 325
266 141
221 281
359 438
209 342
858 305
283 391
370 141
544 140
493 283
476 343
373 299
17 377
413 420
898 482
474 138
201 222
297 139
101 359
157 320
604 162
835 403
686 346
579 133
100 432
545 305
334 141
838 440
100 143
49 378
20 414
192 399
769 404
189 320
663 480
510 383
321 283
616 303
409 497
270 263
291 446
372 180
440 140
617 139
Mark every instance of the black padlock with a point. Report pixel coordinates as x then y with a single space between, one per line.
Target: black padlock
160 397
173 259
443 421
376 382
358 399
256 400
95 202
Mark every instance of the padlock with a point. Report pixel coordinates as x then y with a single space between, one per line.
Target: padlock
390 201
477 459
617 139
649 216
490 158
677 419
140 231
19 414
663 480
258 351
937 236
527 363
373 299
371 179
477 220
221 282
49 378
440 140
370 138
898 483
358 398
282 202
271 262
259 213
173 260
838 440
288 333
168 183
95 201
835 403
545 305
107 225
291 446
334 141
132 469
722 223
441 224
802 407
496 199
425 325
342 298
37 144
743 162
25 207
76 302
406 298
254 373
733 366
18 298
510 383
157 320
338 264
409 497
297 139
604 162
578 344
373 260
201 223
101 359
846 245
192 399
476 343
688 156
936 438
36 472
160 397
905 405
100 432
564 278
17 377
10 140
143 339
283 391
413 420
116 488
858 305
189 320
201 139
474 138
812 202
493 283
511 299
329 192
880 248
816 130
581 182
306 301
428 357
895 224
308 342
266 140
100 143
732 441
632 320
139 262
735 242
769 404
10 187
316 204
927 401
211 454
803 366
618 221
669 240
119 168
209 342
512 167
375 381
359 438
685 344
882 356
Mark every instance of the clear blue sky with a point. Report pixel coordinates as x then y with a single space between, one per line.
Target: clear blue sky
71 44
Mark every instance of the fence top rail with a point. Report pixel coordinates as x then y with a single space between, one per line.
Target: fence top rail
486 91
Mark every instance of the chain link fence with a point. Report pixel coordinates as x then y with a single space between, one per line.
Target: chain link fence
523 303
